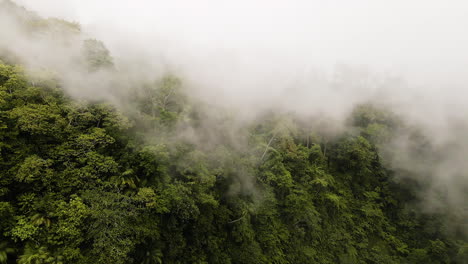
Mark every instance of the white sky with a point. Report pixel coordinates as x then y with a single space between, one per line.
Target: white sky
425 41
371 32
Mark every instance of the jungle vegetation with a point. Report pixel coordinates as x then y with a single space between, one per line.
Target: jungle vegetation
83 181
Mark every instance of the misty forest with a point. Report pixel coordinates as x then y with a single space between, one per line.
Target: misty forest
143 171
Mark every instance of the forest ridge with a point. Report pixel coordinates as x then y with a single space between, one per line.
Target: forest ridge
82 181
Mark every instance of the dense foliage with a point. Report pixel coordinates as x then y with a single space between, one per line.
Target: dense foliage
82 183
170 181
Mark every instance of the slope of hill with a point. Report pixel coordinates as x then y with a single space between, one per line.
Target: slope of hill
172 182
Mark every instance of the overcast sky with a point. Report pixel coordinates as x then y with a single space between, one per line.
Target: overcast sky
418 37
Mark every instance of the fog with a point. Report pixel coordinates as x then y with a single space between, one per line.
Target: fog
253 52
309 57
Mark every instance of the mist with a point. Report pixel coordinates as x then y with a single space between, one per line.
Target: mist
306 57
286 53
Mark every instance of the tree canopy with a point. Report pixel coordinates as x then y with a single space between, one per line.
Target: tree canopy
171 182
81 183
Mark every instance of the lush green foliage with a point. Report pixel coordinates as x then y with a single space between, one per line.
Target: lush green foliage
83 183
170 181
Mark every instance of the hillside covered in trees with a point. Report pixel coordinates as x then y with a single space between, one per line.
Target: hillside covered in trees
166 180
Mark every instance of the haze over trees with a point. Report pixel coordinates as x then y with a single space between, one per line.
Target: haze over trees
165 178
